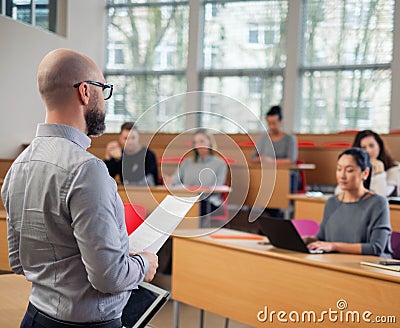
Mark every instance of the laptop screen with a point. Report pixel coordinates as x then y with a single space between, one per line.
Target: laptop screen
283 234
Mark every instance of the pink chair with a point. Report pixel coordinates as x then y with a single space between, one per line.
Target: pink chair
306 227
135 214
395 241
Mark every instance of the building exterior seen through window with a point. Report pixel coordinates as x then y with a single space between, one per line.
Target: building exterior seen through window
39 13
343 60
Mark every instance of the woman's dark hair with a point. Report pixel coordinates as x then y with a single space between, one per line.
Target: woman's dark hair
362 159
209 137
275 110
383 155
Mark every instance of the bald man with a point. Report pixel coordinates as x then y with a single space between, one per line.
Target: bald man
65 220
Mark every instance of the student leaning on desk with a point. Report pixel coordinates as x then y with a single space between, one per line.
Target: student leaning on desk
355 221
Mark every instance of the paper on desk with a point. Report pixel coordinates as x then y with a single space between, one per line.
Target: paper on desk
159 225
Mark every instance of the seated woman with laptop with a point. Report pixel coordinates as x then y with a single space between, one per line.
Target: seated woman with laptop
356 221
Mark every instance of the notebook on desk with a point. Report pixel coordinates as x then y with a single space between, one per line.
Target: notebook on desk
394 200
283 234
393 265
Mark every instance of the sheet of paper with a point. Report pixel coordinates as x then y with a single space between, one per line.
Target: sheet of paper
159 225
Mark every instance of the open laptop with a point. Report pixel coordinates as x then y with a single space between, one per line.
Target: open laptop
283 234
143 305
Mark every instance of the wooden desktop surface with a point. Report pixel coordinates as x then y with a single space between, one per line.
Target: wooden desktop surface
239 278
313 208
4 264
14 299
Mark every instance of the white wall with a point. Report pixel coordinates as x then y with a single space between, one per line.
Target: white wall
21 49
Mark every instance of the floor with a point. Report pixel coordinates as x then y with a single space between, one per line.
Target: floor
12 309
189 316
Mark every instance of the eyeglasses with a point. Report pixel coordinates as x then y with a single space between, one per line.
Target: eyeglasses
107 88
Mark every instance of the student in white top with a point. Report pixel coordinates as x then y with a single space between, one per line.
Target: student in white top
385 170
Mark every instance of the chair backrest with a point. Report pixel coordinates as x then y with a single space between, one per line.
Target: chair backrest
246 144
135 214
395 241
306 144
306 227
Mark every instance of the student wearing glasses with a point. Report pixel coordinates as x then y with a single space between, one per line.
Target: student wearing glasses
356 221
65 219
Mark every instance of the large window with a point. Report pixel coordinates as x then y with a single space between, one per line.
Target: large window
346 76
244 53
39 13
339 53
146 59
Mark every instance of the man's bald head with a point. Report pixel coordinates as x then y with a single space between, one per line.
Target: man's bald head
59 71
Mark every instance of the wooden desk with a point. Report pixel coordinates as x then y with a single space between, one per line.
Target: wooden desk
313 208
14 299
264 181
4 264
241 278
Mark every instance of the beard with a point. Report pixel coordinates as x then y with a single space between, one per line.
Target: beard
95 119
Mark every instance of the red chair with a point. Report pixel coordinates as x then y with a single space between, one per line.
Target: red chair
396 131
306 227
229 160
246 144
173 160
337 145
306 144
135 214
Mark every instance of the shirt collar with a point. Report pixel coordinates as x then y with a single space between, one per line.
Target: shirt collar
63 131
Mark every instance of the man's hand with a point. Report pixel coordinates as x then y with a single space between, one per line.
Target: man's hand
153 265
